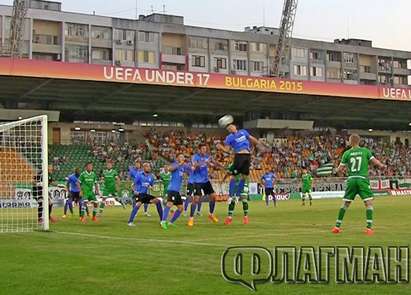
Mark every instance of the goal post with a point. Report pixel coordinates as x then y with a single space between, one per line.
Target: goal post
24 179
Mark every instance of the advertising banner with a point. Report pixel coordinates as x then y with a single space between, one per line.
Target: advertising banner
104 73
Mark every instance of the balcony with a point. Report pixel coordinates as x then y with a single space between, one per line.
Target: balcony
46 43
368 76
174 59
103 43
401 71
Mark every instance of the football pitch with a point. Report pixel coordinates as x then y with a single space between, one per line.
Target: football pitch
112 258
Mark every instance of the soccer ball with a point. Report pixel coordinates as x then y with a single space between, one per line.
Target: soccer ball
225 120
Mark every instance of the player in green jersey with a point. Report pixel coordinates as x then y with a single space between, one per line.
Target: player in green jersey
111 182
165 177
356 161
88 190
307 185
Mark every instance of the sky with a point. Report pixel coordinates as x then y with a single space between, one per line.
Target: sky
385 22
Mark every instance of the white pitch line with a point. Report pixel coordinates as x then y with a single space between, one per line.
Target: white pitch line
191 243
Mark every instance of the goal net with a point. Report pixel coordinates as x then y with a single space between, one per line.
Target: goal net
24 197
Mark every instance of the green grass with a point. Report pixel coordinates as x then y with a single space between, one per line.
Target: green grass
111 258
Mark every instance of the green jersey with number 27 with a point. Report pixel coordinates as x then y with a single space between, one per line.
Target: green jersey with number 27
356 160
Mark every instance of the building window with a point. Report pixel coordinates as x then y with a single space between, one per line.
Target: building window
173 50
100 54
146 36
258 47
240 46
400 80
316 72
221 45
350 75
365 69
349 58
198 43
198 61
240 64
315 55
334 56
76 30
221 63
45 39
334 74
384 64
399 64
299 52
76 53
300 70
256 66
384 79
101 33
147 57
124 35
124 55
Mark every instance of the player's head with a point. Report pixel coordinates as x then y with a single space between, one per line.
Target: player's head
77 171
354 140
109 164
202 148
137 163
181 159
231 128
89 166
147 167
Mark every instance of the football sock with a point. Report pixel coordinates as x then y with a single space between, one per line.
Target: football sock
175 216
341 214
212 206
369 215
102 205
193 209
166 211
159 210
186 202
245 207
231 208
133 213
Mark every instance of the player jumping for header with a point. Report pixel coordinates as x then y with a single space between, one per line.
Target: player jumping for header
356 161
240 141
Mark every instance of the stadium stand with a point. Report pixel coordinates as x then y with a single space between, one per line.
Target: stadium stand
291 152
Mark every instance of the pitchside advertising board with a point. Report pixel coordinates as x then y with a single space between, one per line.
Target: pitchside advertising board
57 194
87 72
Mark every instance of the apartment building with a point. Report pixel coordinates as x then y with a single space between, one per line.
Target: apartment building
163 41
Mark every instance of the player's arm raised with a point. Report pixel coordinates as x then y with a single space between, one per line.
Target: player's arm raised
223 147
261 146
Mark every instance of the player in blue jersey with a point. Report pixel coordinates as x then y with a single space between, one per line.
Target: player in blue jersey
133 172
177 169
190 195
73 192
240 141
202 184
268 180
141 186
